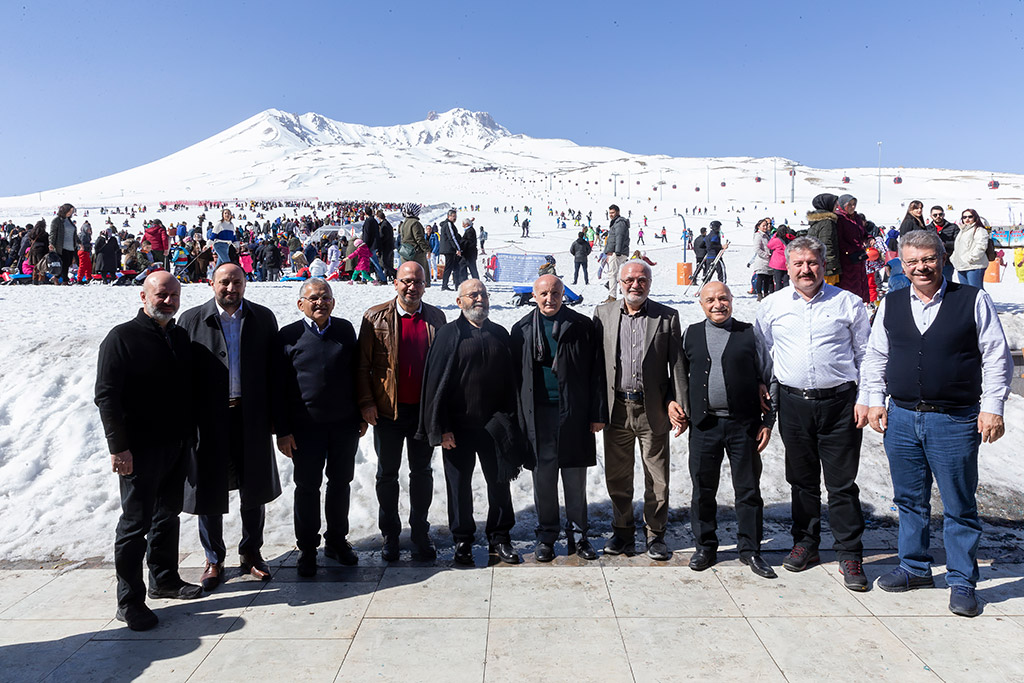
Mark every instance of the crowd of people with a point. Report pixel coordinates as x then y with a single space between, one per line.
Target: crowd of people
862 257
931 373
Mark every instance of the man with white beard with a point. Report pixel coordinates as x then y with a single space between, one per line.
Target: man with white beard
469 409
149 459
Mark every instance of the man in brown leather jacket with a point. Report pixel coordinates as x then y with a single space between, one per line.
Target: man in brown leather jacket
393 341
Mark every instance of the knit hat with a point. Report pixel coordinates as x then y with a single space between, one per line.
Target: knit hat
357 242
411 209
716 224
845 199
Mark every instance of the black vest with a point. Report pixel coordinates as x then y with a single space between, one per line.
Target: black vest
739 366
941 366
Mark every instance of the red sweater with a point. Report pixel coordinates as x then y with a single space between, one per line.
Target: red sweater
412 357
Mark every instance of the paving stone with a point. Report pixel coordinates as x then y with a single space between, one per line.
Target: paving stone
544 592
984 648
676 592
582 649
417 649
283 659
101 661
723 649
432 592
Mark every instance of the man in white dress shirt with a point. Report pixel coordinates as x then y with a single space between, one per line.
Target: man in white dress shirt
938 351
816 335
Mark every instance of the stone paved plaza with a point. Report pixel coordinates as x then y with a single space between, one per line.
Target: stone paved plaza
615 619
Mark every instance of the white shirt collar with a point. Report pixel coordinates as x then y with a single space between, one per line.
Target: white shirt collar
941 292
404 313
224 314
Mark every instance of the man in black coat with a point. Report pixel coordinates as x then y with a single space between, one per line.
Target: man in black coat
319 424
235 358
450 246
468 400
371 238
563 402
728 370
147 453
469 251
386 248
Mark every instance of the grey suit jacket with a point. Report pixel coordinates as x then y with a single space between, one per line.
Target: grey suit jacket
663 375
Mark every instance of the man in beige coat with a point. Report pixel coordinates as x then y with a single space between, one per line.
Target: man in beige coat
643 366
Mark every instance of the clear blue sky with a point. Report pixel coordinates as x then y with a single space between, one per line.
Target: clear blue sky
95 88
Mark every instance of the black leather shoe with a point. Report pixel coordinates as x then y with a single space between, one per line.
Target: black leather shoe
657 550
759 566
342 553
306 566
702 559
585 550
544 552
800 558
137 616
853 575
177 591
464 553
389 552
213 574
617 545
424 551
505 552
254 565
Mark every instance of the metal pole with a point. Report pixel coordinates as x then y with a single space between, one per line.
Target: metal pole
775 181
708 169
879 172
792 185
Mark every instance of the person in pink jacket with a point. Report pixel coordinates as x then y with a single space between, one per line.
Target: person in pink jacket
362 256
777 261
156 234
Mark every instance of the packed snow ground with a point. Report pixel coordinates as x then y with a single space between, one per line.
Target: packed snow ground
58 497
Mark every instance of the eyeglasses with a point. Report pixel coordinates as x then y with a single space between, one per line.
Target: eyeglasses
968 217
642 281
926 261
411 282
936 214
318 299
475 295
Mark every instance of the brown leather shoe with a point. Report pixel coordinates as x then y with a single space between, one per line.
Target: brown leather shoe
212 575
256 566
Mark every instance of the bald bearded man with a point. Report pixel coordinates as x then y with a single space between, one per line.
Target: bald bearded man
148 455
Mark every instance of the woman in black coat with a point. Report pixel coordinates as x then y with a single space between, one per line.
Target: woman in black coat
913 219
108 255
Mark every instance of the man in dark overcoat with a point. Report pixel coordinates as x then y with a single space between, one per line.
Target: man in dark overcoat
556 356
234 353
147 455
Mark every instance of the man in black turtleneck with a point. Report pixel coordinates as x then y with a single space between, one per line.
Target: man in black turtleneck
728 370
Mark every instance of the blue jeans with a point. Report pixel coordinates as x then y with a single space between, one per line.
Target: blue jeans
376 266
974 278
923 446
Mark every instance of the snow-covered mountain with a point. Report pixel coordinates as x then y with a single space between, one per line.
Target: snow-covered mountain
460 154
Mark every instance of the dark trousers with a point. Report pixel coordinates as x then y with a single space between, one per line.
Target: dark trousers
388 438
763 285
66 258
545 481
780 278
468 269
452 264
580 265
149 524
318 447
709 442
459 464
821 437
252 514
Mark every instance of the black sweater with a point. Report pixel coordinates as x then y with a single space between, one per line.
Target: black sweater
317 375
